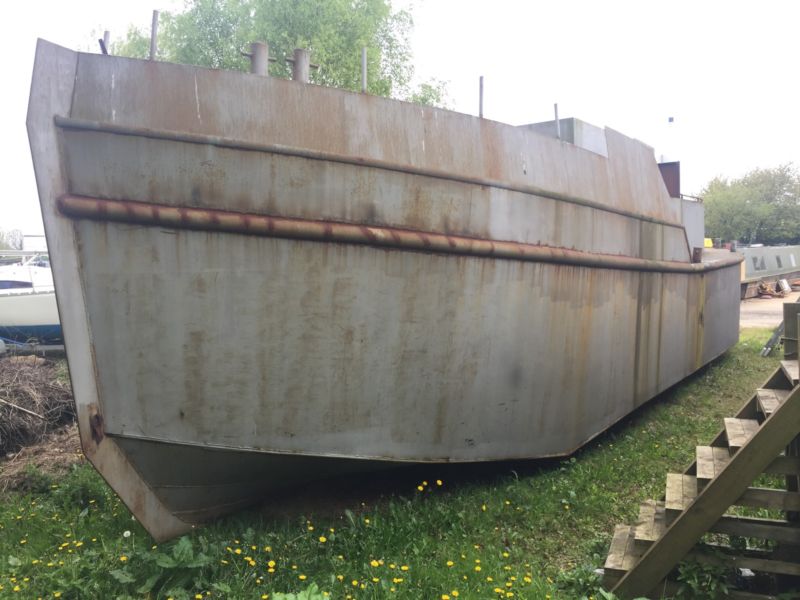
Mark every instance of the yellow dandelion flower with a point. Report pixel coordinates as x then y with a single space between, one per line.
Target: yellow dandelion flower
23 541
340 577
498 591
271 570
509 594
270 563
397 580
450 563
198 596
322 539
237 551
374 563
438 482
420 488
505 554
366 521
483 507
267 548
489 578
527 579
224 562
302 577
375 580
56 594
477 568
392 565
264 596
311 528
477 560
16 588
354 582
123 558
445 597
404 567
454 593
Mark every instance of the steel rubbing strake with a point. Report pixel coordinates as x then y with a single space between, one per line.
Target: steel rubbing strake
145 213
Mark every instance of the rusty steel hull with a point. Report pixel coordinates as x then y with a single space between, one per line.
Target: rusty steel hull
263 282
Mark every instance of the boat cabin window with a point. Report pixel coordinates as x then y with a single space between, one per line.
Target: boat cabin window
9 285
758 265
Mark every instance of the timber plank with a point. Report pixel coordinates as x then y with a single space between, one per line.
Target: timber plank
784 465
711 503
738 431
650 524
681 490
710 462
770 399
622 554
770 498
791 370
768 529
725 555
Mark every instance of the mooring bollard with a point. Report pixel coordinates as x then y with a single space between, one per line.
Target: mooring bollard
301 65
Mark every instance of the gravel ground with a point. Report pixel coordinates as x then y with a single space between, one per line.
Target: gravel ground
767 312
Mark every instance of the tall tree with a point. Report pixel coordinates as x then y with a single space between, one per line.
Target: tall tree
761 207
213 33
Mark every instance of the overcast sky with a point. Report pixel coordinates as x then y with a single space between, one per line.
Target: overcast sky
725 71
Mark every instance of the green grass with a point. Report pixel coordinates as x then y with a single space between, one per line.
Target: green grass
493 531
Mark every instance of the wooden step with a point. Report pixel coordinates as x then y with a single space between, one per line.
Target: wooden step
650 525
710 461
770 399
681 490
791 370
622 554
738 431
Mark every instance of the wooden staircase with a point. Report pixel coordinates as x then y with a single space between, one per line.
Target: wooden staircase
763 437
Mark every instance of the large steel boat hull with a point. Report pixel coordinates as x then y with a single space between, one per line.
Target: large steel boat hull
263 282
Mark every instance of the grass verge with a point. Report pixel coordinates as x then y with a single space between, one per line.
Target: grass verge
509 530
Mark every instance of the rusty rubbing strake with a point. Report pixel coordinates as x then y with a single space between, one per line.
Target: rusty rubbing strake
146 213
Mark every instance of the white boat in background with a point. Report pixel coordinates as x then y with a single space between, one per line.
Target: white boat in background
28 311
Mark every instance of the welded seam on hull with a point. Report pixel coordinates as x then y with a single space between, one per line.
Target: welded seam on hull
150 214
70 123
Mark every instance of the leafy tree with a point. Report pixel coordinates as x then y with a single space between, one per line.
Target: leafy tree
213 33
761 207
